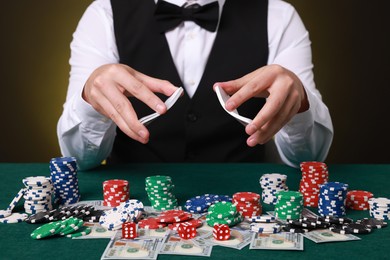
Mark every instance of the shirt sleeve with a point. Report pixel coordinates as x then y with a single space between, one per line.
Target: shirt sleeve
308 135
83 132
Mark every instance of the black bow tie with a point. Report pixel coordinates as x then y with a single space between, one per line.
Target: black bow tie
170 16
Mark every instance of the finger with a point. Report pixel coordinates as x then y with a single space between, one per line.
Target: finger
128 124
137 89
156 85
269 130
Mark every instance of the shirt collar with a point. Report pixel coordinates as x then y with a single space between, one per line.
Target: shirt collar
200 2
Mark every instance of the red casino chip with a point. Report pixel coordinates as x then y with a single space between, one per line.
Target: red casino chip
314 174
191 222
358 199
246 196
173 216
115 192
151 223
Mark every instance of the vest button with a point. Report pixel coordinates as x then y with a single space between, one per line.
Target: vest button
192 117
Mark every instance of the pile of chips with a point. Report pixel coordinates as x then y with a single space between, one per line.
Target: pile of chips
70 227
171 218
115 192
7 217
264 224
37 195
332 198
247 203
81 211
314 174
289 205
131 210
358 199
379 208
223 212
272 183
335 224
63 171
200 204
159 189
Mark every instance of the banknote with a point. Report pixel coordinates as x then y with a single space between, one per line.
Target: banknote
139 248
278 241
97 231
174 245
325 235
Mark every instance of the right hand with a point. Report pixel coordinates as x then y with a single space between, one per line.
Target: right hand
108 87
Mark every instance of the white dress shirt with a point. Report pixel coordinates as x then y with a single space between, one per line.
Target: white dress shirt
89 136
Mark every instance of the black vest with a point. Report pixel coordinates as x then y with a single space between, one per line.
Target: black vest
196 129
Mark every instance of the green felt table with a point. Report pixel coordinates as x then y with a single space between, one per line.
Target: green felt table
191 180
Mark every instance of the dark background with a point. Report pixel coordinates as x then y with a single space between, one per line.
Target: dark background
350 41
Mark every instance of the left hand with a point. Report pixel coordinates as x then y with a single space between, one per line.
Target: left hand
285 96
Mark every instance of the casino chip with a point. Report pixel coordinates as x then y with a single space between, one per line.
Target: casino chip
191 222
379 208
358 199
248 204
115 192
151 223
355 228
289 205
314 174
223 212
372 222
63 172
114 218
332 198
265 228
37 194
160 192
5 213
272 183
46 230
81 232
14 218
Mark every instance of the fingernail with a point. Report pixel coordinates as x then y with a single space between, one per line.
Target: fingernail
252 141
160 109
230 105
142 134
251 129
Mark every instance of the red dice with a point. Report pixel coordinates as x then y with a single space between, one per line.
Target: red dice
186 231
221 232
129 230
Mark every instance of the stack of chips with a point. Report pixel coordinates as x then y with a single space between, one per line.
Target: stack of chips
38 194
115 192
314 174
223 213
379 208
272 183
289 205
159 189
247 204
332 198
200 204
63 171
358 199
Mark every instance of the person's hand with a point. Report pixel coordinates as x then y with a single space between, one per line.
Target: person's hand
107 90
285 98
